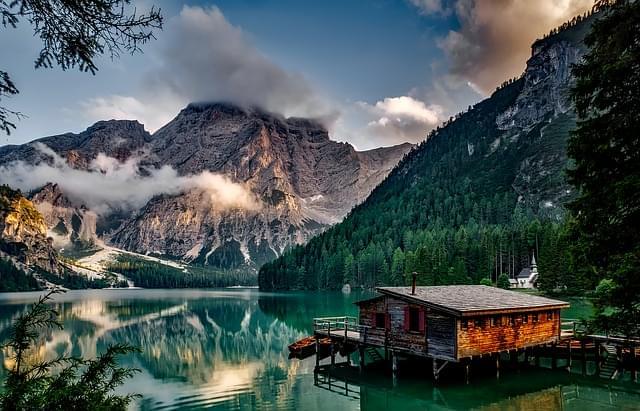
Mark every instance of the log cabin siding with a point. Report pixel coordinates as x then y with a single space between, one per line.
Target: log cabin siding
368 309
435 337
487 339
441 332
400 337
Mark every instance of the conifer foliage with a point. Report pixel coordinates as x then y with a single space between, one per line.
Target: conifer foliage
65 383
606 150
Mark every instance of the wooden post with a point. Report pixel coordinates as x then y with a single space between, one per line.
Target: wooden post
345 329
394 367
597 353
526 356
361 353
333 354
466 371
394 362
537 354
554 356
317 353
583 347
497 366
634 364
569 359
386 345
435 370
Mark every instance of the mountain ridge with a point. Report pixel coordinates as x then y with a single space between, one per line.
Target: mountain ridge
303 180
476 199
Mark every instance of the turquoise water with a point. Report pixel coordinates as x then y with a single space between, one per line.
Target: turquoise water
227 349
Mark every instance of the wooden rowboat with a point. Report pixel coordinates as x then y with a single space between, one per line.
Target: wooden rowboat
307 347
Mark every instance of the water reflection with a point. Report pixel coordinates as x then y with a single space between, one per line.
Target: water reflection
227 350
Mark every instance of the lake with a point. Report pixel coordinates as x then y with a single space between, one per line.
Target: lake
227 349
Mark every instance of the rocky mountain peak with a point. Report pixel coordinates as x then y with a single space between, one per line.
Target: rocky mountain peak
303 180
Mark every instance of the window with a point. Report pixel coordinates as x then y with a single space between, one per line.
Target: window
525 318
381 320
464 324
512 320
414 319
549 315
478 322
496 321
534 318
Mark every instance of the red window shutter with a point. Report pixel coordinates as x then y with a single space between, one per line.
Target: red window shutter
388 321
406 318
421 324
373 320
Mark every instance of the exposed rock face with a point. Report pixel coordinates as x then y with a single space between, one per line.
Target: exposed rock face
67 224
543 115
23 232
116 138
302 180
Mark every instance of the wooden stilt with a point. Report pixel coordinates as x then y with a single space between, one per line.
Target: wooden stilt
317 353
467 372
583 348
435 370
634 365
569 359
554 356
497 366
598 346
537 354
333 353
394 362
526 356
361 354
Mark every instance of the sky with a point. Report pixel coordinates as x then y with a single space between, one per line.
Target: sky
375 72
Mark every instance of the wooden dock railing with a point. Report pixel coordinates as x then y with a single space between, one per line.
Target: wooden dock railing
345 326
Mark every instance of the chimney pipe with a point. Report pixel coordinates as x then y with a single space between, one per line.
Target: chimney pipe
414 275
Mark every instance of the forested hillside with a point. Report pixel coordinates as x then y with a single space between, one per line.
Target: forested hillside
476 199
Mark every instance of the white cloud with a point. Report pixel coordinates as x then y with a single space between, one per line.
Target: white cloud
201 57
494 39
400 119
109 184
430 6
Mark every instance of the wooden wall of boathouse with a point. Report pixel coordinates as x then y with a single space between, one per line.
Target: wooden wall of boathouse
434 336
483 335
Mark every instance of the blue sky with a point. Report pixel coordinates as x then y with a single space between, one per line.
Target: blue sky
376 72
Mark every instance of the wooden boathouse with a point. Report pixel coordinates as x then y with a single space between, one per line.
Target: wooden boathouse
449 324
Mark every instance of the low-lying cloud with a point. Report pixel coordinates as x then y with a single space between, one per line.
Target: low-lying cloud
494 38
201 57
109 184
400 119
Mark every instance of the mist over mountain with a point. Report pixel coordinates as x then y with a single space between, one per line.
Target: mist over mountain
219 185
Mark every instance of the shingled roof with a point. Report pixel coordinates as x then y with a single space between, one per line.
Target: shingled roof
469 300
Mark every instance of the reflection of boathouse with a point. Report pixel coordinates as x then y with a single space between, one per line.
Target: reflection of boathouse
537 390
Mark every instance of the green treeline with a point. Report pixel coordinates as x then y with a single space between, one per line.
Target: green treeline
151 274
14 279
448 211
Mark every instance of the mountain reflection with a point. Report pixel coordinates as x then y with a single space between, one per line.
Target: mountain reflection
194 347
228 350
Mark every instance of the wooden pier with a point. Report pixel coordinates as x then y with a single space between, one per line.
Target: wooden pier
468 325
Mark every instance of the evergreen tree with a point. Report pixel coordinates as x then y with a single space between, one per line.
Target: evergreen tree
77 384
606 151
503 281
